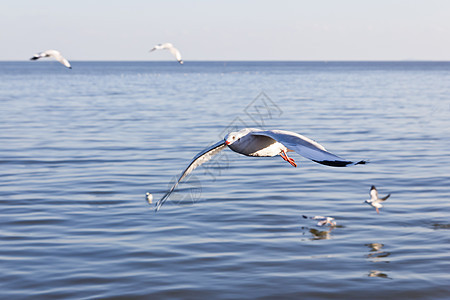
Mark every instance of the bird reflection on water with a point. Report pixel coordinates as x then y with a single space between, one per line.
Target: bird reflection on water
320 234
377 255
376 273
375 251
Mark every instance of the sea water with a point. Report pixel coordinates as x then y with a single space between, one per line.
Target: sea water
80 148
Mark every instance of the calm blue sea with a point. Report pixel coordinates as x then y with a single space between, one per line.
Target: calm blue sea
80 148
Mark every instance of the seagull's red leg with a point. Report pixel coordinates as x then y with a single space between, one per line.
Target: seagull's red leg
377 210
288 159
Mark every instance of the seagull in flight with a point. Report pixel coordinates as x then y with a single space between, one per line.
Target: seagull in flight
322 220
374 200
171 48
52 53
264 143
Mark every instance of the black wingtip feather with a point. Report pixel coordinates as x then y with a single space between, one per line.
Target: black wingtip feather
337 163
334 163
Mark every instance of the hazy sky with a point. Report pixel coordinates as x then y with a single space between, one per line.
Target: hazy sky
228 30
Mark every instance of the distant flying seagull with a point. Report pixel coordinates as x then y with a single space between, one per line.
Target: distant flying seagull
322 220
52 53
171 48
265 143
374 200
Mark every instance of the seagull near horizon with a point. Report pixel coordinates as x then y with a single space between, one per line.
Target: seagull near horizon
52 53
171 48
322 220
374 201
265 143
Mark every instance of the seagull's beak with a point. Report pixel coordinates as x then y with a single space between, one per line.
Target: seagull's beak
227 143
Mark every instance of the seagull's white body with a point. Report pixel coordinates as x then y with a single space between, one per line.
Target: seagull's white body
260 143
171 48
149 198
323 220
52 53
374 201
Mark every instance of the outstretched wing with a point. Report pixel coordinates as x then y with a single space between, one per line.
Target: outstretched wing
384 198
176 53
62 60
306 147
36 56
321 223
199 159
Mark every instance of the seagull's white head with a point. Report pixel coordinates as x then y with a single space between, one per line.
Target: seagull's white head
231 138
236 136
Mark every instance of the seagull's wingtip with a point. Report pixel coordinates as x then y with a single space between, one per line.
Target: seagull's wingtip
159 204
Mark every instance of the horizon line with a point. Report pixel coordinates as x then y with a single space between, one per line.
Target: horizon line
243 60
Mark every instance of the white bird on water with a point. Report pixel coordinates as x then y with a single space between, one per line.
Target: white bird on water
171 48
149 198
52 53
264 143
322 220
374 200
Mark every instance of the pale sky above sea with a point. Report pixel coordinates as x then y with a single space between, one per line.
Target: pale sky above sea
228 30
